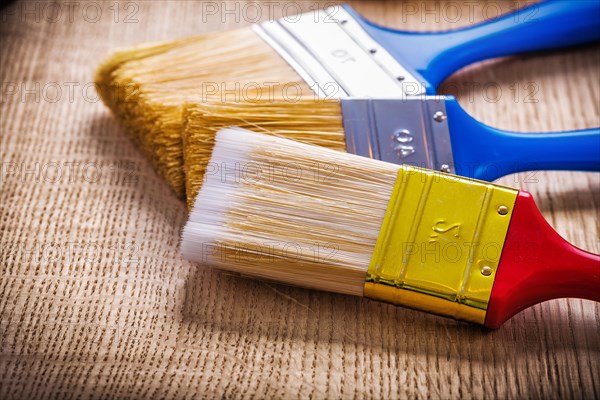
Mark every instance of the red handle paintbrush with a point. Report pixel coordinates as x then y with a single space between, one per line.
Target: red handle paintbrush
310 216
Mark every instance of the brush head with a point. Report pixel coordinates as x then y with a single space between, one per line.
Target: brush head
146 87
289 212
317 122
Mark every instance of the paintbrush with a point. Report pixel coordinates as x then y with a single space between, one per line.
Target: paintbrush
431 132
306 215
330 53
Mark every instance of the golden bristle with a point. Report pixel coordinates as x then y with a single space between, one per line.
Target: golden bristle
317 122
290 212
146 86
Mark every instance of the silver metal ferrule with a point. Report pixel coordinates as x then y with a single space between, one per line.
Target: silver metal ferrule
336 57
402 131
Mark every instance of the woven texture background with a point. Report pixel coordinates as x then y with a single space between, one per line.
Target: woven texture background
95 301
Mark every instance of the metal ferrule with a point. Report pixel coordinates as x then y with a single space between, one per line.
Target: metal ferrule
440 244
336 57
402 131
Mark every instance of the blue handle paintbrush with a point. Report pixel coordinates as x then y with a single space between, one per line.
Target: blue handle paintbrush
332 52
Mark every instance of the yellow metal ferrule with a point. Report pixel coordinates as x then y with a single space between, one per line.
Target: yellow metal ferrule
440 244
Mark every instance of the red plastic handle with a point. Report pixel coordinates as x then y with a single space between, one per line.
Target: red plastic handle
538 265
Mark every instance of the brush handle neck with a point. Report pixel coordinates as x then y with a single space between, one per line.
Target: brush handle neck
538 265
435 56
487 153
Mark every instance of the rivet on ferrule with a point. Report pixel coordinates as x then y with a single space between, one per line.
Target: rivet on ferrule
439 116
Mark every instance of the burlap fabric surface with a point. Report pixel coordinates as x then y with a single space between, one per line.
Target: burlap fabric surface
95 301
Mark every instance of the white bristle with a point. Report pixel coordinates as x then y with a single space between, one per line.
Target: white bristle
290 212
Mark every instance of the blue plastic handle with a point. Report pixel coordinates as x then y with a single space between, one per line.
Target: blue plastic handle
542 26
487 153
